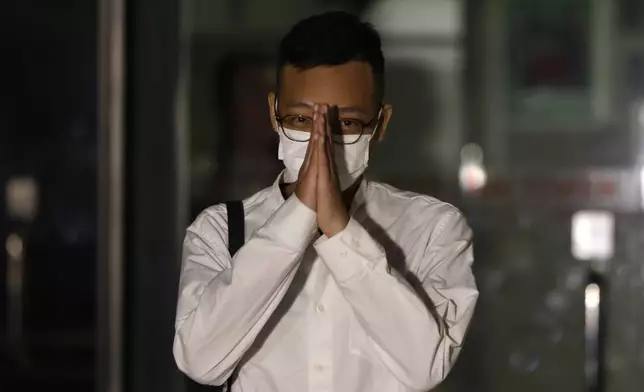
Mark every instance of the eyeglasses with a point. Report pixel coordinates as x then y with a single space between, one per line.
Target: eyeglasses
349 131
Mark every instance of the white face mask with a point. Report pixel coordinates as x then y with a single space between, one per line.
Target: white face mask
351 160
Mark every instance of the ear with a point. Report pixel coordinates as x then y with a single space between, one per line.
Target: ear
387 111
271 110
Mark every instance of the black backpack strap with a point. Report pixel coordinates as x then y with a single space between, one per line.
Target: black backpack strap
236 226
236 239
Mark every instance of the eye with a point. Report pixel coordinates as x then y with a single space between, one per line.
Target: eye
298 122
350 126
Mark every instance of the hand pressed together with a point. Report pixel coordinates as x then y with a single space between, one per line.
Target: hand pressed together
317 186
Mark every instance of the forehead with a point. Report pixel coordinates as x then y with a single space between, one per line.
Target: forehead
349 84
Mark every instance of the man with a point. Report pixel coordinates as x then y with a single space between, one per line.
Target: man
343 284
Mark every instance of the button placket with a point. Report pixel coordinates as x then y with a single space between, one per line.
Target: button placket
321 346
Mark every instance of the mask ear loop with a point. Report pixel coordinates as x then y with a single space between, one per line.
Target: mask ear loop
373 134
375 129
278 126
280 131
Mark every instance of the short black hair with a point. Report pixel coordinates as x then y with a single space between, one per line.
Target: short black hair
333 38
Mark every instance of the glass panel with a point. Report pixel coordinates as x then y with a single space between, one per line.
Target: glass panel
527 333
631 15
234 151
48 181
625 324
549 63
633 82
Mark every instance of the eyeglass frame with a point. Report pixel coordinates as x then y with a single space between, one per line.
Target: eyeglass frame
376 118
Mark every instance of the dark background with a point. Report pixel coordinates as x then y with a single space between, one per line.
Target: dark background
196 78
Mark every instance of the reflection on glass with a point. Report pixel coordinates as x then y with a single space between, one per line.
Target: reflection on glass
243 157
593 235
472 173
592 301
631 16
549 67
15 271
22 198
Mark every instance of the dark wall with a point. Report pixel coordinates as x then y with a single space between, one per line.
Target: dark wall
48 132
154 222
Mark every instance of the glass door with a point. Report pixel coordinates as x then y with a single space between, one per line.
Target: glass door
48 165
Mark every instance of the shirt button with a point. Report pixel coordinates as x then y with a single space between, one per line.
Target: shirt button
319 368
320 308
343 253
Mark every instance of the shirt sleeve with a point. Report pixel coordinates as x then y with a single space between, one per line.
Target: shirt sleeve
416 323
224 303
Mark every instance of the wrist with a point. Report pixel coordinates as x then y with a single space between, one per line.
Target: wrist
335 226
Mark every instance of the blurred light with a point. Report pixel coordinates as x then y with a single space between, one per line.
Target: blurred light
472 176
640 116
593 235
593 296
472 152
22 198
417 18
642 185
14 247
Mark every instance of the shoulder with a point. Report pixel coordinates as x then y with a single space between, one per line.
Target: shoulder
212 223
424 211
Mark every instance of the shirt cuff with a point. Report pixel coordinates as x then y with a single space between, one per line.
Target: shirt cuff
294 224
351 252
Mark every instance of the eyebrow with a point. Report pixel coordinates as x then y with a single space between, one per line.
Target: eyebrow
341 109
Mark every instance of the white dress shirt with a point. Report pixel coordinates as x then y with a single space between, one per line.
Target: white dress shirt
382 306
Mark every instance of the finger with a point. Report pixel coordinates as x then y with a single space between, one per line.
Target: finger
323 159
319 123
316 137
327 172
331 118
331 115
313 171
310 147
318 119
307 157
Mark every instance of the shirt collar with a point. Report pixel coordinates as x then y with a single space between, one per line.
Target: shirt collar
358 199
